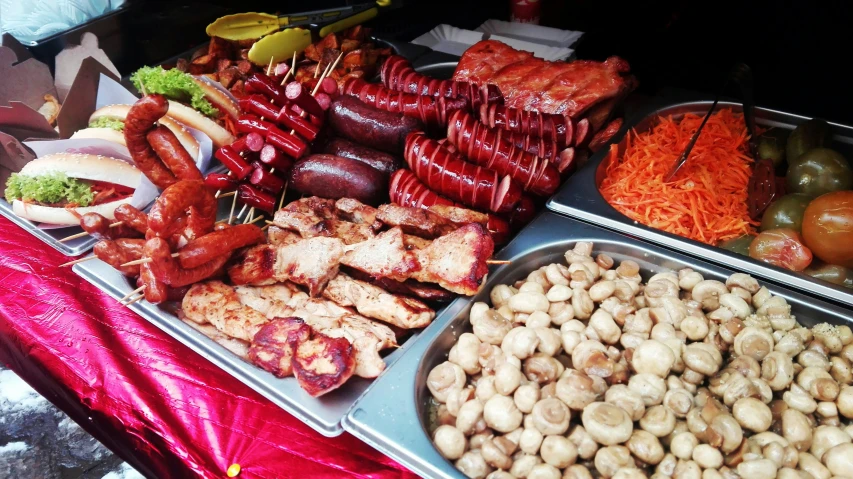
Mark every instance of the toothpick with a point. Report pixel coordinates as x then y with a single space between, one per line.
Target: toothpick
258 218
316 69
326 73
69 238
144 260
226 195
292 70
117 223
78 261
242 210
231 214
498 261
269 222
265 227
250 216
142 87
269 68
283 192
138 299
135 291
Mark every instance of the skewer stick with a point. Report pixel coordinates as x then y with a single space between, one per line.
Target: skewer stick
258 218
250 216
242 210
231 214
292 70
78 261
498 261
283 192
136 300
78 235
269 67
144 260
135 291
265 227
316 69
226 195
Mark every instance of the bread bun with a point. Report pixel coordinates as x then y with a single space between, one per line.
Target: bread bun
119 112
107 134
62 216
219 99
190 117
85 167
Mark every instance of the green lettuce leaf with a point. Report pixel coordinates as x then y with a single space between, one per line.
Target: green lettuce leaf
175 85
50 188
104 122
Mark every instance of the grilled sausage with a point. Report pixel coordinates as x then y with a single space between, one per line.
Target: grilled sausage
335 177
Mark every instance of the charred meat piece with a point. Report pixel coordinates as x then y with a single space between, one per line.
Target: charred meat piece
415 221
216 303
272 350
320 363
374 302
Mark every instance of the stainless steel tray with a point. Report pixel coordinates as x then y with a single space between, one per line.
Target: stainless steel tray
51 237
322 414
579 197
392 415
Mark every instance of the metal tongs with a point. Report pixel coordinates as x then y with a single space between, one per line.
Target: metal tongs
741 74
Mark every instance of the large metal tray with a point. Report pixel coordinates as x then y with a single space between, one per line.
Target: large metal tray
392 416
579 197
51 237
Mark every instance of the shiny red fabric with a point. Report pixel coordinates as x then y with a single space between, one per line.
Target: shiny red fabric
159 405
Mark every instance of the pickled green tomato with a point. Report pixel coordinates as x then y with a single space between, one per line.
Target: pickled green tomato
828 228
786 212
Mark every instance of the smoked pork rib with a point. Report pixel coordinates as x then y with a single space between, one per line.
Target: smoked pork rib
567 88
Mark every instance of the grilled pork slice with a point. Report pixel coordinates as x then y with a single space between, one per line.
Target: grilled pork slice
271 349
237 346
352 210
374 302
312 217
415 221
322 363
218 304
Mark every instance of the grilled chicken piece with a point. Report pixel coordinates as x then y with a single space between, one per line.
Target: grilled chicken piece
312 217
410 287
459 216
279 236
415 221
271 349
352 210
216 303
376 303
457 261
415 242
236 346
368 337
321 363
383 256
311 262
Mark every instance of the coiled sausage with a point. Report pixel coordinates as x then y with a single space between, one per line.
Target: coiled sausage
187 197
432 111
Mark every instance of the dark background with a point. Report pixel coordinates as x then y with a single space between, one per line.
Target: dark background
800 52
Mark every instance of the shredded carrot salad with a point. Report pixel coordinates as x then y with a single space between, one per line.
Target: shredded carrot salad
707 199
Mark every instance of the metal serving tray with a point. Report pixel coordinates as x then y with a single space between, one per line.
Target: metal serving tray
579 197
321 414
392 416
51 237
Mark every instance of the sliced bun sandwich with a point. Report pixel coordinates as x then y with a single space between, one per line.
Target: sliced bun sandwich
61 187
107 123
192 101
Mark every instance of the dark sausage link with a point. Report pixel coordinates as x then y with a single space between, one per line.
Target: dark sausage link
397 74
98 226
166 269
173 154
450 175
131 216
118 252
384 162
187 197
207 248
485 147
140 119
357 121
432 111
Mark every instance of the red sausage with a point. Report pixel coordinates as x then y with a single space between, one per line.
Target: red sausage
301 96
221 182
140 119
167 270
132 217
254 142
450 175
233 161
260 83
118 252
397 74
407 190
201 250
187 196
256 198
273 157
167 146
304 128
290 144
523 213
156 292
485 147
367 125
258 105
266 180
98 226
432 111
559 128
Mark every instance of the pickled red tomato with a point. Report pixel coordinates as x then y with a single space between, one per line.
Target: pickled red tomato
781 247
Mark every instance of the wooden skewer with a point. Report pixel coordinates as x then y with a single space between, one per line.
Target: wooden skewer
498 261
269 67
291 71
144 260
78 235
250 216
283 192
136 300
259 218
316 69
135 291
265 227
231 214
269 222
226 195
242 210
78 261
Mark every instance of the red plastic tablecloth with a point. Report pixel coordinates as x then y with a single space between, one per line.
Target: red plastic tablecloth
156 403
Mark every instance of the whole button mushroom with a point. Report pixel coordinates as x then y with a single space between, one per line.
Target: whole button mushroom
501 414
473 465
444 378
551 416
606 423
752 414
653 357
839 459
450 442
558 451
